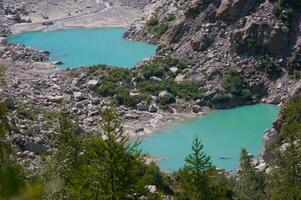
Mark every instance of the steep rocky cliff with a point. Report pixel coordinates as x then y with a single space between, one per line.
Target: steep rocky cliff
226 37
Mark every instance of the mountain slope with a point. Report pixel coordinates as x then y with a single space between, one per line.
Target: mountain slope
222 36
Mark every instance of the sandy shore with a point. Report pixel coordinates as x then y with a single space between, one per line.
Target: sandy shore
112 15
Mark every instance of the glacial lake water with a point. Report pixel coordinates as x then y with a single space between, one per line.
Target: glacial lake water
223 133
82 47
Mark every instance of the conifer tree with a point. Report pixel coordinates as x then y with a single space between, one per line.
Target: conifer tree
286 173
250 184
11 180
195 175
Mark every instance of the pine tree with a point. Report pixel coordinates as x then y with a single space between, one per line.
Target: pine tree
195 175
286 173
111 167
11 180
250 184
65 162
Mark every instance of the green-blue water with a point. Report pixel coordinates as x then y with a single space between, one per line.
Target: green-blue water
223 133
81 47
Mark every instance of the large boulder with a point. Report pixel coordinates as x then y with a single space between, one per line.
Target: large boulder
252 36
3 40
166 97
278 39
153 108
232 9
269 138
92 84
35 147
196 108
142 106
201 42
78 96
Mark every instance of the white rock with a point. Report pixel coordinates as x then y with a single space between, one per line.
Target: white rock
152 188
155 79
173 69
92 84
3 40
153 108
55 99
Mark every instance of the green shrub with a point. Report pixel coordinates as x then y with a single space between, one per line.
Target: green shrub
189 90
158 28
165 102
193 11
285 9
123 97
220 99
234 83
26 112
246 95
292 119
160 67
294 62
152 22
152 70
271 68
106 89
2 75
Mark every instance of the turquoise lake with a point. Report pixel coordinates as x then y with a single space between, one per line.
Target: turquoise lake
82 47
223 133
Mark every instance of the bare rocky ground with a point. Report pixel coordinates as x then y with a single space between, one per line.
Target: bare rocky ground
36 10
60 14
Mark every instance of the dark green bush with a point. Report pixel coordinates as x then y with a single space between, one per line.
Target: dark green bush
160 29
220 99
294 62
271 68
285 9
160 67
234 83
152 22
106 89
165 102
193 11
157 27
153 70
291 120
123 97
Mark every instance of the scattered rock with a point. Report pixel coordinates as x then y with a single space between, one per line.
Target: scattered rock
269 138
48 23
196 108
166 97
92 84
55 99
139 130
142 106
35 147
57 62
155 79
153 108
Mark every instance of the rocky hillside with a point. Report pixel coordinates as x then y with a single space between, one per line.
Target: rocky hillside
251 41
136 4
